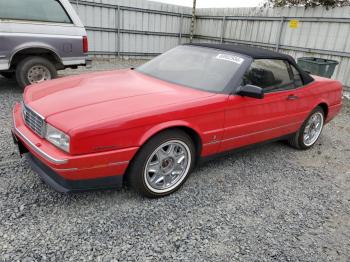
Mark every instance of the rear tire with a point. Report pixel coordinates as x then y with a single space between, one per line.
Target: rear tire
310 131
163 164
33 70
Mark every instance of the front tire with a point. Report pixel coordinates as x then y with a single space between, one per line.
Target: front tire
34 69
163 164
310 131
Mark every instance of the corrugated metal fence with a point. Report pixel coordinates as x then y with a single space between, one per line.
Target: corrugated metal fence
145 28
319 33
133 27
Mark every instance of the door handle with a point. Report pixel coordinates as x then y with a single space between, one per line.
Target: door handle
292 97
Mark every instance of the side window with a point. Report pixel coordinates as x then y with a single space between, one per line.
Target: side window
270 74
296 77
34 10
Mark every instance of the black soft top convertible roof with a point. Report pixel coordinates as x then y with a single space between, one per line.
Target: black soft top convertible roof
258 53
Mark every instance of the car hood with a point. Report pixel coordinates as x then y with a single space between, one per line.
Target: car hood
92 97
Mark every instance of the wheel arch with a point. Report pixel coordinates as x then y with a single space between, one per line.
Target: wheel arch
190 130
41 51
324 107
174 125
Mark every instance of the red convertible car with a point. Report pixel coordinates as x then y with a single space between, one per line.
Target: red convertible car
149 126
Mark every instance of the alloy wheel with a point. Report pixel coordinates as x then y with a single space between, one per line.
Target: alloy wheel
313 128
167 166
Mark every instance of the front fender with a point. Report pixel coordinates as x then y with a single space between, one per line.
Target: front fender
166 125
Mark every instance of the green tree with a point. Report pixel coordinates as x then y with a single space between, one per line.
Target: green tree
308 3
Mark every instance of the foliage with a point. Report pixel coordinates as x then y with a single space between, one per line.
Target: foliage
308 3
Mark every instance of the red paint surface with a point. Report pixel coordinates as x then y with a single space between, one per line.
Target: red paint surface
123 109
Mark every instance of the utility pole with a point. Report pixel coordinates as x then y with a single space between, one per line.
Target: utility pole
192 20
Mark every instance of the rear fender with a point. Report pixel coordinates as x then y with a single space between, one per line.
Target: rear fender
34 45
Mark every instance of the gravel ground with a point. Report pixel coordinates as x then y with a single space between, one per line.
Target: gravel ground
264 204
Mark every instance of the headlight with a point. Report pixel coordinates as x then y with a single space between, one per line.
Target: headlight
57 137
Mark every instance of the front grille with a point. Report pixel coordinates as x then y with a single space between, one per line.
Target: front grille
34 121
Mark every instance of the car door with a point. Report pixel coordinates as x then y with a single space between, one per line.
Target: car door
250 120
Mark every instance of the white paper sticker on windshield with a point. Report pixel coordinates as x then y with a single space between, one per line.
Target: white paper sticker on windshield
231 58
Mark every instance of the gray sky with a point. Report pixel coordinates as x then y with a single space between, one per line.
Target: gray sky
214 3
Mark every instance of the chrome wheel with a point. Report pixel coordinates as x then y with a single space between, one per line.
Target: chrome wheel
313 128
167 166
38 74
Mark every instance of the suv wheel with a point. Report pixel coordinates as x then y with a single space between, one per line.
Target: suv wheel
32 70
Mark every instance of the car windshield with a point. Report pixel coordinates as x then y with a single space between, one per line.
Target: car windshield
196 67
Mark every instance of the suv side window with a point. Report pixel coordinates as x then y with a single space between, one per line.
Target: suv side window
34 10
270 74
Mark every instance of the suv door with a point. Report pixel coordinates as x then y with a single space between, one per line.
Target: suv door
250 120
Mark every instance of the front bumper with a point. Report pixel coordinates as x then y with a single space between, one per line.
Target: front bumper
62 185
68 172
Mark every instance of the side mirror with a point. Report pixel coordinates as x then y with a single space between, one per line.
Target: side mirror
251 91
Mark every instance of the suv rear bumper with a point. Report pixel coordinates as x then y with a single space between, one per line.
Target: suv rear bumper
88 63
77 61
